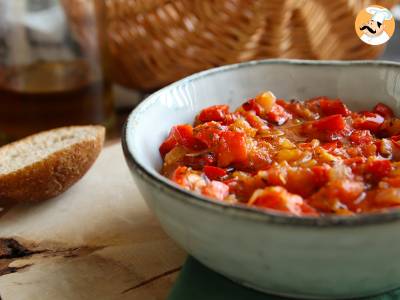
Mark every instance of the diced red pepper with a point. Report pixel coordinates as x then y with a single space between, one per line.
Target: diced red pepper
214 113
282 103
361 137
292 107
321 175
389 128
278 198
337 195
299 109
301 181
209 133
369 121
333 107
179 135
332 123
275 176
354 160
308 210
167 145
255 121
331 146
396 140
389 197
356 164
308 145
379 169
347 191
231 148
184 135
313 103
278 115
394 182
214 173
230 118
384 110
252 105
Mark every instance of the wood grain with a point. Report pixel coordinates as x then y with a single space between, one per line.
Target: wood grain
96 241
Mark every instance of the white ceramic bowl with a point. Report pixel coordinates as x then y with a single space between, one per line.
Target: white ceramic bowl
327 257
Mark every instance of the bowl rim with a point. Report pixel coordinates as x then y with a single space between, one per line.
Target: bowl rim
237 210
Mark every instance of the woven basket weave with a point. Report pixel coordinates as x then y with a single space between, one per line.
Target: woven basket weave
155 42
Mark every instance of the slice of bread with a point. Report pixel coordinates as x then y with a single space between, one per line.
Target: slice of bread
44 165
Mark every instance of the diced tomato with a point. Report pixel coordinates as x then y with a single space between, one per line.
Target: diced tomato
231 148
394 182
230 118
348 191
214 173
387 197
255 121
214 113
179 135
332 123
275 175
354 160
337 195
252 105
301 181
333 107
379 169
209 133
297 108
389 128
216 189
369 121
282 103
331 146
167 145
308 210
383 110
257 160
361 137
184 135
278 115
396 140
321 175
313 103
308 145
278 198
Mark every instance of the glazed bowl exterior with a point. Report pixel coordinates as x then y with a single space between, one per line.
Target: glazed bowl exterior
303 257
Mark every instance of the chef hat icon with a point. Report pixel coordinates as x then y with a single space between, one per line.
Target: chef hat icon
379 14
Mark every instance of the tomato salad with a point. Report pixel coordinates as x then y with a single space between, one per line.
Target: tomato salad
305 158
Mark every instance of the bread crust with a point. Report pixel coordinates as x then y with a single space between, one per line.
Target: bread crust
52 175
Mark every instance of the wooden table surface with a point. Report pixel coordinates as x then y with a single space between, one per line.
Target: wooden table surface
98 240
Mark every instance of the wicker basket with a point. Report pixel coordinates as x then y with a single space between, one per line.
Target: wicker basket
155 42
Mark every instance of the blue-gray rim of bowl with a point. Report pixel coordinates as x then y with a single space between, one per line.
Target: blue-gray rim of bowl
242 211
